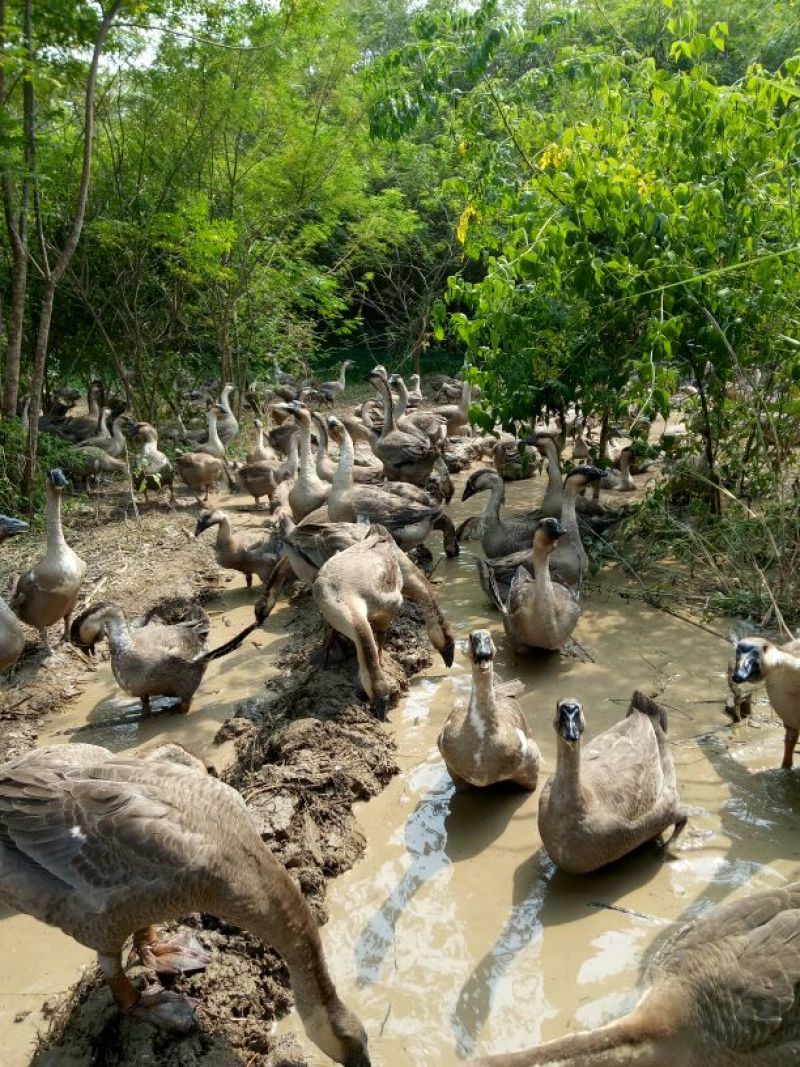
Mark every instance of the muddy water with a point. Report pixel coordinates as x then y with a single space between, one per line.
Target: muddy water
39 962
455 935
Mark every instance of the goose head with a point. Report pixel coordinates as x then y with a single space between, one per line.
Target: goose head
547 534
569 722
207 520
339 1034
259 425
584 475
482 651
751 653
481 481
335 428
542 442
56 481
378 374
11 527
90 626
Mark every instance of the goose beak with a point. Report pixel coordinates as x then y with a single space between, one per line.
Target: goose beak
58 478
202 524
381 706
748 666
359 1059
11 527
469 490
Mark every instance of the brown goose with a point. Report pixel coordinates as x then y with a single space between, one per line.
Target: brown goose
487 740
103 846
249 554
617 793
722 992
759 660
152 470
154 659
48 591
407 453
12 636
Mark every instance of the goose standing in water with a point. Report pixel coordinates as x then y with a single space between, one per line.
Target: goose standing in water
759 660
486 739
12 636
612 796
103 846
722 992
407 454
538 613
48 592
155 659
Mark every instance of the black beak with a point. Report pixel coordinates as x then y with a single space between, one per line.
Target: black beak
569 721
381 706
12 527
202 524
748 667
469 490
448 653
58 478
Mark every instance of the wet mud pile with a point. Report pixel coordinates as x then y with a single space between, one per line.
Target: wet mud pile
308 749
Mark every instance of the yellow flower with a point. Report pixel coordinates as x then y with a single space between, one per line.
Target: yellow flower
468 213
553 156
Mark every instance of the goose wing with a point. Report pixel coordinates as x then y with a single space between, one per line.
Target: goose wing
624 766
742 965
95 823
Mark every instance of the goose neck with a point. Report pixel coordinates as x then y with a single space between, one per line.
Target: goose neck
343 478
497 496
482 702
388 410
553 466
56 542
568 772
306 459
569 516
224 537
628 1041
402 399
541 569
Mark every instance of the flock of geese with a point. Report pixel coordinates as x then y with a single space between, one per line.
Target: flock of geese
104 846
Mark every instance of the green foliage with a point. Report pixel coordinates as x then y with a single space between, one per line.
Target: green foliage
53 452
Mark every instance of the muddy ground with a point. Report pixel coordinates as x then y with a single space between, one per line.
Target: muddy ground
307 749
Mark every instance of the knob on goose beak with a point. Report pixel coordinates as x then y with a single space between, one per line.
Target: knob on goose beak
58 478
10 527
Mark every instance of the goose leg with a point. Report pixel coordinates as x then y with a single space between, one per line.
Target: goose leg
789 742
160 1007
248 579
45 640
67 621
181 954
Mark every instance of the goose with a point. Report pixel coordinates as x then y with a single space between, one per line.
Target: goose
621 481
580 446
359 592
757 660
538 613
308 491
308 546
330 391
487 740
154 659
248 553
510 463
102 846
409 521
569 557
621 792
360 428
227 423
12 636
199 470
261 453
721 992
114 444
78 427
499 536
326 466
406 453
266 479
153 471
212 445
457 415
103 435
431 423
551 501
48 591
415 396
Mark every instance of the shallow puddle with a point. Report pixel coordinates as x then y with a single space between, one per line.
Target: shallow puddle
456 935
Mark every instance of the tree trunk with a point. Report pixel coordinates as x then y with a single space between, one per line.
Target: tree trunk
16 319
55 275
